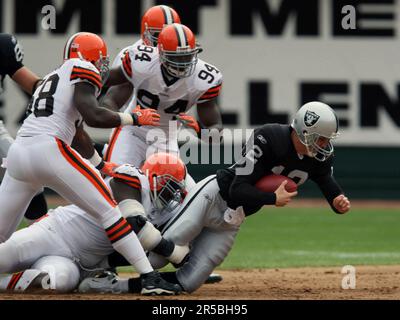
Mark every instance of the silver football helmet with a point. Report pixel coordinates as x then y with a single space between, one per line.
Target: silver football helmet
313 121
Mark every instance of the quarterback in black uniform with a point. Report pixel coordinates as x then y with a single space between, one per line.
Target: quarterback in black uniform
11 57
301 151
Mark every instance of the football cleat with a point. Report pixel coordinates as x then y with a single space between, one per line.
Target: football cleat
106 282
154 285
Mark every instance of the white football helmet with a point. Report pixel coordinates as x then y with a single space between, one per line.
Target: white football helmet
313 121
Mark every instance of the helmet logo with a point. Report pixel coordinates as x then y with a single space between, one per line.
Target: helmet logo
310 118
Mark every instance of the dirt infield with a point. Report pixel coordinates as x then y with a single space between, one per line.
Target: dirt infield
372 282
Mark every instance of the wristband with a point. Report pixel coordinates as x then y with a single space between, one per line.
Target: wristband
96 160
126 119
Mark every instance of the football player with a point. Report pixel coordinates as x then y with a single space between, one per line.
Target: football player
170 79
212 212
69 241
41 154
154 19
11 57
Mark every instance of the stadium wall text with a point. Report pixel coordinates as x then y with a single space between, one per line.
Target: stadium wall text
274 54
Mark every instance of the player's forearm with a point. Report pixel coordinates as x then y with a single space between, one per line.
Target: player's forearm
330 188
246 194
26 79
103 118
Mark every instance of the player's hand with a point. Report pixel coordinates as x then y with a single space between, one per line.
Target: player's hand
145 117
341 203
188 121
108 168
282 196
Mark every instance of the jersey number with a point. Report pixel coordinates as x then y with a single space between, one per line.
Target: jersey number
50 85
298 176
148 100
204 75
143 56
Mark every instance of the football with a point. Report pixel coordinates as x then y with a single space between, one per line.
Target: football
271 182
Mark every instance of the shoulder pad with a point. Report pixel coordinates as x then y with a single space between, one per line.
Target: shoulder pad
129 175
208 80
129 170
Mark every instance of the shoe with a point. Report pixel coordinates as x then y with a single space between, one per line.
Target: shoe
213 278
106 282
154 285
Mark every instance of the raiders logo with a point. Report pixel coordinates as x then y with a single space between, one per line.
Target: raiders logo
310 118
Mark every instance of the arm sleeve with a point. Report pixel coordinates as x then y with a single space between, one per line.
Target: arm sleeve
13 55
328 186
257 160
210 94
126 65
86 73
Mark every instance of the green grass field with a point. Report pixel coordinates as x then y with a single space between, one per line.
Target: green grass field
297 237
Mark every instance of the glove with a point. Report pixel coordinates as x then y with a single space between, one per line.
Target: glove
107 168
188 122
145 117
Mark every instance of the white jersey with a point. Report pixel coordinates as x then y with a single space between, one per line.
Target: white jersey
86 237
52 111
169 96
117 63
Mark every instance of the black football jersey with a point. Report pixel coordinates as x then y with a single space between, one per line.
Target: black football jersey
271 150
11 56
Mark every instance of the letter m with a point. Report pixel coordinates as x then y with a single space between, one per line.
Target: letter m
243 13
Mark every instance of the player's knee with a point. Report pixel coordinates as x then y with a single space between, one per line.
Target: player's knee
62 273
192 279
7 260
65 283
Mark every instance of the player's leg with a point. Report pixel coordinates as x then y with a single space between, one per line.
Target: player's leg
208 251
62 274
76 180
15 196
23 249
124 147
38 205
192 217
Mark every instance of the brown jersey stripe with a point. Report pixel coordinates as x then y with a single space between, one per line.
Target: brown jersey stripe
83 76
92 75
126 177
131 184
209 96
83 168
126 63
80 69
213 89
111 144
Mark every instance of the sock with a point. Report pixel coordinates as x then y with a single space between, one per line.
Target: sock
127 243
123 285
134 285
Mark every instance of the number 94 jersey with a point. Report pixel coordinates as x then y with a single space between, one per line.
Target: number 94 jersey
51 109
169 96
